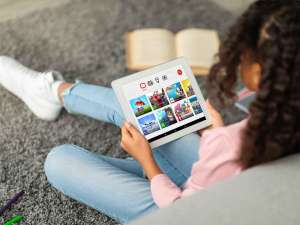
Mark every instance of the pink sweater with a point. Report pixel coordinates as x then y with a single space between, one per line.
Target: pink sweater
219 150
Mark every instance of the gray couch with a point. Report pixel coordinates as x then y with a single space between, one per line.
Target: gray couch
264 195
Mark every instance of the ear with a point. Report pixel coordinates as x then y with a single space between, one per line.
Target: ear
253 77
257 72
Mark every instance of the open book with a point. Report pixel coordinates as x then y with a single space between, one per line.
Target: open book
149 47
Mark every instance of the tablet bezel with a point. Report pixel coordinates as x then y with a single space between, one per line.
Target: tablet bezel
117 87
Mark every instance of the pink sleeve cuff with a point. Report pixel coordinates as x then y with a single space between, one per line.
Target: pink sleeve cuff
164 191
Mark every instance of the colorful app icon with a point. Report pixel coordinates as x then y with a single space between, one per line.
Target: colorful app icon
179 72
143 85
183 110
158 99
150 83
187 86
140 106
196 105
175 92
166 117
148 124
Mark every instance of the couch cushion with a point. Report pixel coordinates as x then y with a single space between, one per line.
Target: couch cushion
267 194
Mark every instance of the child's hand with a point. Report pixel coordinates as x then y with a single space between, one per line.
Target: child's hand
217 120
135 144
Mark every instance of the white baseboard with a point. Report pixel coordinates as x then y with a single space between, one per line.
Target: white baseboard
234 6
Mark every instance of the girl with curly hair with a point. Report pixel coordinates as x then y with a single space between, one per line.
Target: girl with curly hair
263 47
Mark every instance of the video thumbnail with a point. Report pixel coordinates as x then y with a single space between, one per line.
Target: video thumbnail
196 105
187 86
183 110
140 106
166 117
148 124
175 92
158 99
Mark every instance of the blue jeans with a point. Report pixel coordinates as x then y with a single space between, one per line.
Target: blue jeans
116 187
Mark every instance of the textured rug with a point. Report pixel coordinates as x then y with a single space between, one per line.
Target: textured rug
84 40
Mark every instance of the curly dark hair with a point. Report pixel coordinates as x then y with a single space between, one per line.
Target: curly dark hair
270 29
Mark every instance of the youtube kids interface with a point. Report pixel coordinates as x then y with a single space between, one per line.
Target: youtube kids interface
163 103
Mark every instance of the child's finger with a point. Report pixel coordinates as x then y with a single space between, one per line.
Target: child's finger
131 129
125 132
210 107
208 103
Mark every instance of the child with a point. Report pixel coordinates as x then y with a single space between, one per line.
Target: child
263 44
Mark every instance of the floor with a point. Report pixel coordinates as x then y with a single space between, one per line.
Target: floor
10 9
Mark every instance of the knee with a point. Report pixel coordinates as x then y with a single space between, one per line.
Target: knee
56 159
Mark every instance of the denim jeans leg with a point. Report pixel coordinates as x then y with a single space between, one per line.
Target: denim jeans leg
92 180
94 101
176 158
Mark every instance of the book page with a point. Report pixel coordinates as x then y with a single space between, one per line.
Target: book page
149 47
199 46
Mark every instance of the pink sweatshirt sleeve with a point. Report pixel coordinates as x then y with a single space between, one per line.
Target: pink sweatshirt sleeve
217 161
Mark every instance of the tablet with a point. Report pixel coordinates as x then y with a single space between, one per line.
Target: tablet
163 102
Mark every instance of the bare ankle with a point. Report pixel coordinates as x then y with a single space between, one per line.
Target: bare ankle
62 87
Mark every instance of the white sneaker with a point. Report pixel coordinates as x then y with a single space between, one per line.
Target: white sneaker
34 88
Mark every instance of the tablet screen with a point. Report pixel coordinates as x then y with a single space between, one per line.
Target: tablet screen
163 103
